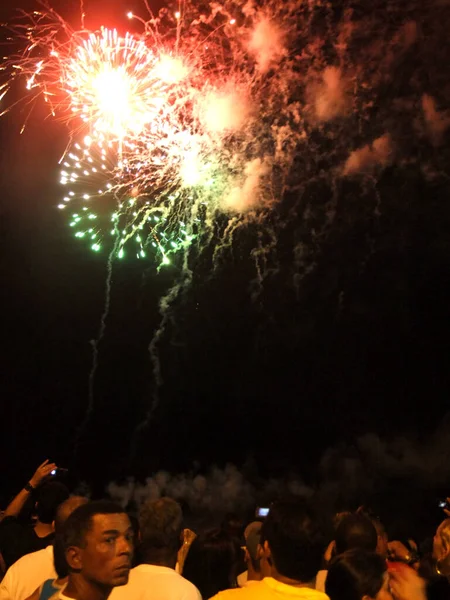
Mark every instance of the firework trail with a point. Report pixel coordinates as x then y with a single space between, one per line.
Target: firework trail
223 119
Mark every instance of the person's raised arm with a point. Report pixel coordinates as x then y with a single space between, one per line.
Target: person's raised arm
42 472
405 583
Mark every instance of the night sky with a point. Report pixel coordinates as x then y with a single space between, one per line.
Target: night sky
353 338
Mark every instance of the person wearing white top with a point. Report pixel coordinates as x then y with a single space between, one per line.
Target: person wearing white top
27 573
161 536
155 582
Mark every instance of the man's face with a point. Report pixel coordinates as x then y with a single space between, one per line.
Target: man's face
106 557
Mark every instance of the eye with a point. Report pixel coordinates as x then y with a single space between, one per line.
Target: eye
110 540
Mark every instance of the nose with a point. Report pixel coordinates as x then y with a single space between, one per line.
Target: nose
125 546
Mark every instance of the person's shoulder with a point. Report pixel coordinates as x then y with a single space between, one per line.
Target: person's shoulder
182 587
249 591
150 583
191 592
42 554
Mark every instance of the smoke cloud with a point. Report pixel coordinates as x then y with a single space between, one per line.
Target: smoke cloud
330 97
266 44
347 476
246 196
225 111
436 122
367 158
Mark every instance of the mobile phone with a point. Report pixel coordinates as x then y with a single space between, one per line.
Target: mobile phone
59 470
444 504
262 512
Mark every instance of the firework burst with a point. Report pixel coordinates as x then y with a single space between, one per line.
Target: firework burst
171 121
214 110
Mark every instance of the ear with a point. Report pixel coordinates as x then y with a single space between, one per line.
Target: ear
330 551
246 555
267 553
73 558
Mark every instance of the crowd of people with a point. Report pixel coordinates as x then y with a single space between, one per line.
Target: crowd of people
79 549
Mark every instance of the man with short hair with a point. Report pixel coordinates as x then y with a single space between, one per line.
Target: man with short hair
292 542
252 536
18 539
161 527
98 546
355 531
26 574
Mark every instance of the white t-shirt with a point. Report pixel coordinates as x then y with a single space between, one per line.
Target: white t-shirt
152 582
27 574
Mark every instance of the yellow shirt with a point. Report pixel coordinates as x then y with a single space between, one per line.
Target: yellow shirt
270 589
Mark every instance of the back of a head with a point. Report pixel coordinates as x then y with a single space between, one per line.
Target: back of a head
66 509
211 562
160 526
80 521
355 531
233 525
355 574
50 496
62 514
295 539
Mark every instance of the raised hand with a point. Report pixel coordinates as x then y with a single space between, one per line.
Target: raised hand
41 473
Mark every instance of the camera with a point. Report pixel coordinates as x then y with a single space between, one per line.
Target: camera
262 512
58 471
444 504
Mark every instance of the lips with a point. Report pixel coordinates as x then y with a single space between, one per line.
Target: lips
123 567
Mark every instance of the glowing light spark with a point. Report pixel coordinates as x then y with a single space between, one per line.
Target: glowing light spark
98 197
111 83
